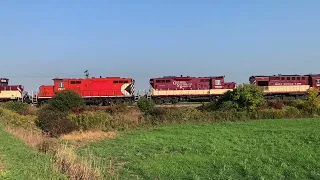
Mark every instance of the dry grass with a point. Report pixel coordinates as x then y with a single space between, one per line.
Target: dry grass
88 136
29 136
67 162
2 166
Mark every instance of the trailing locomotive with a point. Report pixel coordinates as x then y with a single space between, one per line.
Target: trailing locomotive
11 92
173 89
101 90
286 86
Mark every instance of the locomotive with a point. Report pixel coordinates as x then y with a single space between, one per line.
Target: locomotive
173 89
11 92
99 91
286 86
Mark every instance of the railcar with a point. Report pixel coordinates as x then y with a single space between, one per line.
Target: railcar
11 92
174 89
286 86
102 90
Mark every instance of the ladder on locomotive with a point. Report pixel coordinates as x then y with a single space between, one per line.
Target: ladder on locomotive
34 97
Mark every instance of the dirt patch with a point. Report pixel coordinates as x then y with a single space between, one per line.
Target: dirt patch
88 136
31 137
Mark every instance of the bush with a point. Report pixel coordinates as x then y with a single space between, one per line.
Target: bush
245 97
146 105
118 108
101 120
276 104
18 107
55 123
292 112
12 118
67 101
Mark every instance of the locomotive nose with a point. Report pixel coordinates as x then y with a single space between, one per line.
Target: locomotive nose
130 88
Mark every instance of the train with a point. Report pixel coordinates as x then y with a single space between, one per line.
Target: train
166 89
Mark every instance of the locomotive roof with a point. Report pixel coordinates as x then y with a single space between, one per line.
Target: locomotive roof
168 77
278 75
89 78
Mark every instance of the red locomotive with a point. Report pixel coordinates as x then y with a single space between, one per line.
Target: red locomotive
286 86
175 89
101 90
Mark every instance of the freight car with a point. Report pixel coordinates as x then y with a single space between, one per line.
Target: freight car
286 86
174 89
101 91
11 92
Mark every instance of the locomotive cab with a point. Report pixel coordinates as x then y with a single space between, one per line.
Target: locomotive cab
4 82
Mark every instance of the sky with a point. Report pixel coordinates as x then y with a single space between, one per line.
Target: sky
143 39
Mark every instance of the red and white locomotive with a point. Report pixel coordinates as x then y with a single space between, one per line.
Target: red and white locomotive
286 86
10 92
175 89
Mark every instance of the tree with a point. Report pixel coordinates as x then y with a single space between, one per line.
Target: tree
244 97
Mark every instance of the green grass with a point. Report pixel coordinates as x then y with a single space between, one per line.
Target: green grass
269 149
22 162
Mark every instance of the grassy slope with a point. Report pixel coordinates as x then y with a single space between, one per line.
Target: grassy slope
22 162
273 149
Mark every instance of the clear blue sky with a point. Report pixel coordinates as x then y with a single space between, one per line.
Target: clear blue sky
144 39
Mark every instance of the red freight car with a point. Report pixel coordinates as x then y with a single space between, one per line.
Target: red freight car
175 89
286 86
94 90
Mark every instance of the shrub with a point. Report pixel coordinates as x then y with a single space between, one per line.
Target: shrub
276 104
146 105
101 120
117 108
18 107
91 120
292 112
66 101
55 123
245 97
10 117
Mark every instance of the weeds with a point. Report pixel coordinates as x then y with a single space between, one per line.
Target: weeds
88 136
67 162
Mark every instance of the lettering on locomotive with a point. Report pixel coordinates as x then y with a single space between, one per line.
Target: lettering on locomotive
287 84
182 84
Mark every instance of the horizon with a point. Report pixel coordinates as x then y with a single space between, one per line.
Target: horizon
143 40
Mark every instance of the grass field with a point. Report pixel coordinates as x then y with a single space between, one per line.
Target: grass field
18 161
269 149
